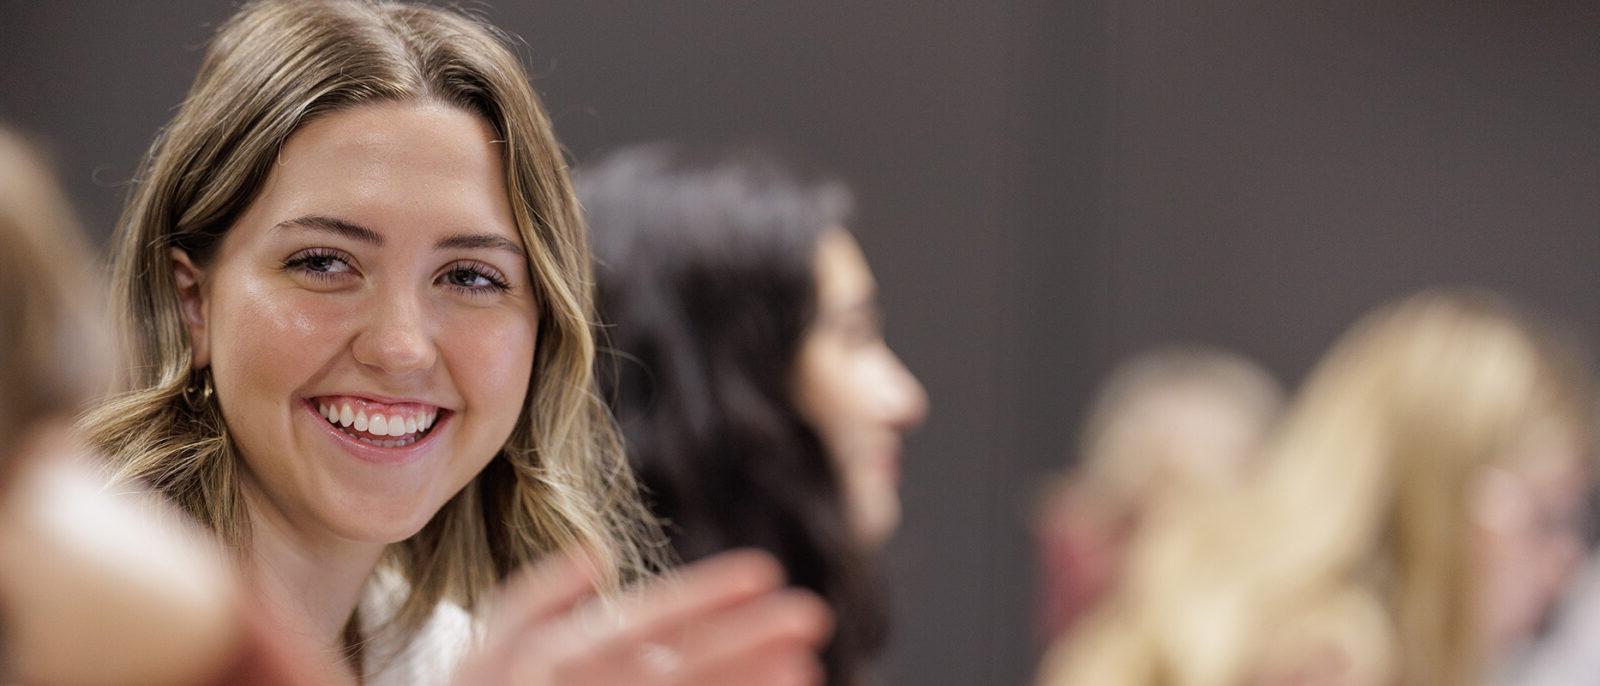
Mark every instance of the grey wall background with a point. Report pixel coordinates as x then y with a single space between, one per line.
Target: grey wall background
1045 187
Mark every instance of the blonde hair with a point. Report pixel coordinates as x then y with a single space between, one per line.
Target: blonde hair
1352 548
561 481
53 358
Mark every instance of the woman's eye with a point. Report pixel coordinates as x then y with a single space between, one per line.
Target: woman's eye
319 263
324 263
468 279
864 335
861 330
475 279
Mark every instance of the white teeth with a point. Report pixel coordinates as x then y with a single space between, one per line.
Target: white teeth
405 429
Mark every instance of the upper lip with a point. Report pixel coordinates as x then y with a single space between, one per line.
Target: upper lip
378 398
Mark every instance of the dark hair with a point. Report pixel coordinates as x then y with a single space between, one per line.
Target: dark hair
707 285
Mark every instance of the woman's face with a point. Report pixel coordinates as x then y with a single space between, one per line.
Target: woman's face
853 389
1529 518
369 320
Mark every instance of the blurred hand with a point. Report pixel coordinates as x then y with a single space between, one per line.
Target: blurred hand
725 620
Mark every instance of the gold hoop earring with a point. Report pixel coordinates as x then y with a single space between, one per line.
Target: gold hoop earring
199 392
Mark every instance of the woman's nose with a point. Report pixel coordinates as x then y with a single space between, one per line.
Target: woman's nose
906 399
398 337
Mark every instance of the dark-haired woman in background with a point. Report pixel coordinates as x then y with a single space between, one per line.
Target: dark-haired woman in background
758 399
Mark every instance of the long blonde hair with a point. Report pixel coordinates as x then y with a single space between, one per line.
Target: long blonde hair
1353 549
561 480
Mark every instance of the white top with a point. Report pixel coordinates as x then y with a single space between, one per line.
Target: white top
430 658
1567 655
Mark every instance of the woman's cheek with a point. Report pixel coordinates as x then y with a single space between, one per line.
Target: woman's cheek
492 357
864 377
291 325
264 331
305 316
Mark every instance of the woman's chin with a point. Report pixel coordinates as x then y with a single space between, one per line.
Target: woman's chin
364 532
375 521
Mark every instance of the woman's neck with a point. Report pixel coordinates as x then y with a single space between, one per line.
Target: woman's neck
308 581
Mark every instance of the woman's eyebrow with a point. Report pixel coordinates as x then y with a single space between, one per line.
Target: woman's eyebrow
351 230
333 225
477 241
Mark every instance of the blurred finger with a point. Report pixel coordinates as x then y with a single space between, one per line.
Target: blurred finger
784 664
792 617
539 593
663 609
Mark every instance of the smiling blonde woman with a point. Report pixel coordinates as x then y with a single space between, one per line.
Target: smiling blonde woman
355 286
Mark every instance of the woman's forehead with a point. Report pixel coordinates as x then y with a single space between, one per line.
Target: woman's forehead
843 278
394 167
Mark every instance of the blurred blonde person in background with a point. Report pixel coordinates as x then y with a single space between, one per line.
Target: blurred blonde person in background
1418 513
355 287
96 586
1167 425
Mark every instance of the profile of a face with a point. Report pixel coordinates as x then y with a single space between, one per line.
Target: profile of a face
854 391
369 320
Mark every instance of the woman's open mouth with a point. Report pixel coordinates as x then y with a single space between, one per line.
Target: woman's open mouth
381 425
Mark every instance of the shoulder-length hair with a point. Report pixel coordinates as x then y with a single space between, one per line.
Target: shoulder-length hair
707 285
560 481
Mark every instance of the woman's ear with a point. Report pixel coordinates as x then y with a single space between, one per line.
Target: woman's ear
191 304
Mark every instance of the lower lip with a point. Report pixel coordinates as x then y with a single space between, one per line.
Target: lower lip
366 452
